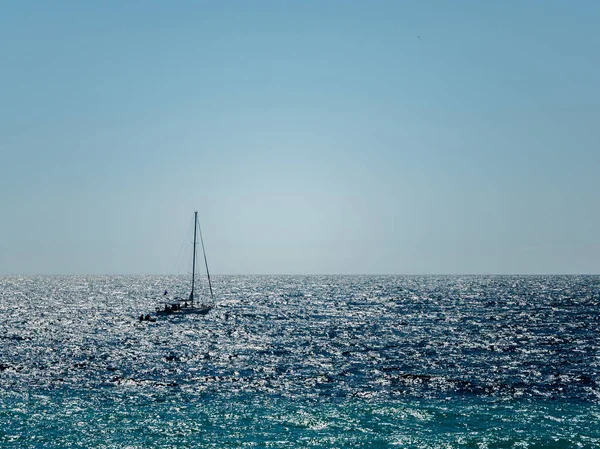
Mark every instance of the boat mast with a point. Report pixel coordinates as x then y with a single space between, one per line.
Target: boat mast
206 264
194 258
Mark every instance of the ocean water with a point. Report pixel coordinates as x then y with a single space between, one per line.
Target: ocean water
302 362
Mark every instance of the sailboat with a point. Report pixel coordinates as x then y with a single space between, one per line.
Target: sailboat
189 306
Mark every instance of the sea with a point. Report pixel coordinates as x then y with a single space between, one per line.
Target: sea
302 362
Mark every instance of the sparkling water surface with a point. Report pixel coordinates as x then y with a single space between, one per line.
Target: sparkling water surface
302 361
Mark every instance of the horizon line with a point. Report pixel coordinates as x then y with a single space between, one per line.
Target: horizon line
304 274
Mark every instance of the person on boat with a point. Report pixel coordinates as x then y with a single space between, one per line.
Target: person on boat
141 317
147 318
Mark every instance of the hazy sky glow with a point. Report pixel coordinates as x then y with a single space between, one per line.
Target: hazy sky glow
312 136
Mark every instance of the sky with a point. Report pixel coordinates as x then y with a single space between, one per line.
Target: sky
312 137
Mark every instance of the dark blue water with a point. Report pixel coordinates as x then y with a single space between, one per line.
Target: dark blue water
302 361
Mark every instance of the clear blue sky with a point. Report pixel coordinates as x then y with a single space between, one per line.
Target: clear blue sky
312 136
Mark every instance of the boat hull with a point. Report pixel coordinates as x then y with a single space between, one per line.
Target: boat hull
202 310
195 310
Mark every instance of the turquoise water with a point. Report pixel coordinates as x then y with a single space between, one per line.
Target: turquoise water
174 419
431 362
